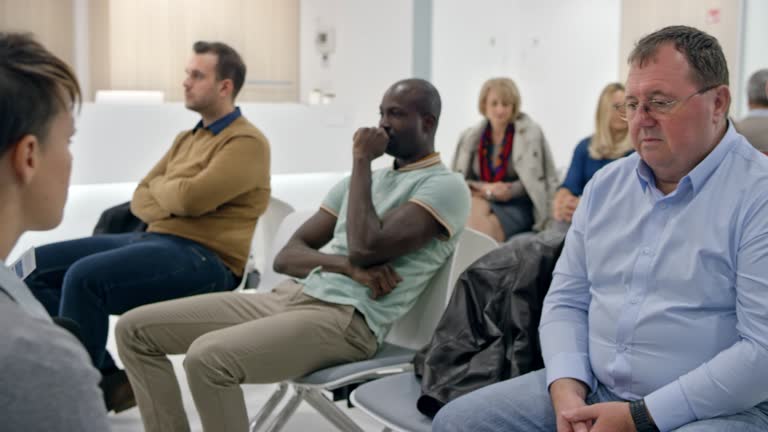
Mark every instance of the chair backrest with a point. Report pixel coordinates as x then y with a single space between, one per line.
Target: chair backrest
290 223
264 236
415 328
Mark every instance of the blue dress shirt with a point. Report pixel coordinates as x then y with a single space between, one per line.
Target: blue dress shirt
583 167
666 297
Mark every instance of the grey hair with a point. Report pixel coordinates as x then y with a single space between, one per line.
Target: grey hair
756 93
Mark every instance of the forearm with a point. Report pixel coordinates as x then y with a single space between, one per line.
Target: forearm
564 326
240 166
364 227
727 384
299 260
172 194
145 207
565 350
568 386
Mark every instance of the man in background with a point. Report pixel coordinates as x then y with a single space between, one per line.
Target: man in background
755 125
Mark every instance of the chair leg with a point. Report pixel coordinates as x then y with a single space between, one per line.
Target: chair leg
261 417
290 407
330 411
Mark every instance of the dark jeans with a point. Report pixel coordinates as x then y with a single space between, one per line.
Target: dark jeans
91 278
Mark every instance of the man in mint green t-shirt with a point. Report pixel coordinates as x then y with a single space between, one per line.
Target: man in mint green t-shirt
388 232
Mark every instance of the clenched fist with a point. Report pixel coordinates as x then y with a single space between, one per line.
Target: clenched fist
369 143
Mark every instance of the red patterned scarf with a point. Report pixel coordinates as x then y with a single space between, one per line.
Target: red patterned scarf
494 171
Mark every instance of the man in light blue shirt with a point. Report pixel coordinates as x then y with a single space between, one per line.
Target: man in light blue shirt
657 316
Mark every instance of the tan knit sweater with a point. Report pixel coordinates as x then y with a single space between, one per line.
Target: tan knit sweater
210 189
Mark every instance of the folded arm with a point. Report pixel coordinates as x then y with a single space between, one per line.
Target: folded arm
143 204
373 240
301 255
239 166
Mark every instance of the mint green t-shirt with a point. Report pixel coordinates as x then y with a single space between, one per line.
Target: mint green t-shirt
427 183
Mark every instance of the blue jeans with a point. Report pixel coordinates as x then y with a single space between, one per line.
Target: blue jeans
522 404
91 278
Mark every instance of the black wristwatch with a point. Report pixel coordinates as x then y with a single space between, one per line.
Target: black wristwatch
640 416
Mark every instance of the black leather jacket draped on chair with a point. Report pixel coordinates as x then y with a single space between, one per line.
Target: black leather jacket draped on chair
489 331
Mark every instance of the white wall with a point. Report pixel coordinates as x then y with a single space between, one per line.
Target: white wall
754 47
560 54
121 143
374 46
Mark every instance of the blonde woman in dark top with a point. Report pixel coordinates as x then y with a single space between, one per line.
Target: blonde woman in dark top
507 164
609 142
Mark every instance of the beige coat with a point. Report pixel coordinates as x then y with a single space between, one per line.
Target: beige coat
532 160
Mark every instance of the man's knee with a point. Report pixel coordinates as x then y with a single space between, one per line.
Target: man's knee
83 275
448 419
209 359
130 332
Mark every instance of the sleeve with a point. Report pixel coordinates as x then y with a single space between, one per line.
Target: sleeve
335 197
240 165
564 330
462 157
550 172
446 198
47 360
143 204
734 380
574 180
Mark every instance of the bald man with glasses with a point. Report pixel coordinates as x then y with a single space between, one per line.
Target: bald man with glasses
656 317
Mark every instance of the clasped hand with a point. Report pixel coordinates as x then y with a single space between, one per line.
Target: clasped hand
380 279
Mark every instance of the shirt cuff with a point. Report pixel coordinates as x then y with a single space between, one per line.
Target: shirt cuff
571 365
669 407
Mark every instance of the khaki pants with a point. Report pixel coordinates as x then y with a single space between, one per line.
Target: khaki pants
231 339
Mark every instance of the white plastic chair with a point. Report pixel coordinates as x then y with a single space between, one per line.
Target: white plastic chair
407 335
263 236
289 224
392 402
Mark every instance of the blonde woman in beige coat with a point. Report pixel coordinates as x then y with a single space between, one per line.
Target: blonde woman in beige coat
507 164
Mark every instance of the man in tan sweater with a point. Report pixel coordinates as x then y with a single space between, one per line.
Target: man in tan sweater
201 202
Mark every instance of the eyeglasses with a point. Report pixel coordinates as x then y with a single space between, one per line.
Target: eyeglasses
656 107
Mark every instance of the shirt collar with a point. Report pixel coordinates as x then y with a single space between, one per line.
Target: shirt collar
220 124
701 172
427 161
17 290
